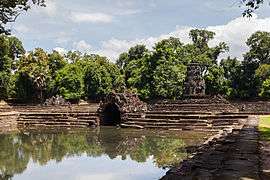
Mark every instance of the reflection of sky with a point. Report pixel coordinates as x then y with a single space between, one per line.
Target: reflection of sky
90 168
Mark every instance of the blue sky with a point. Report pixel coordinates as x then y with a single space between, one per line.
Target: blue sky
109 27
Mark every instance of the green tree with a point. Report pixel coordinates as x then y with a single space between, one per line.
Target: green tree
265 90
200 50
259 48
101 77
10 50
69 82
35 67
215 81
258 54
169 80
11 9
232 72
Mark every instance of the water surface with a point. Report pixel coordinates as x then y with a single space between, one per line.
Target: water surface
106 153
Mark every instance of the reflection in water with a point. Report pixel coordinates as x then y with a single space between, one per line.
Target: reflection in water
126 148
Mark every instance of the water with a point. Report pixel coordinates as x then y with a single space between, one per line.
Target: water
105 153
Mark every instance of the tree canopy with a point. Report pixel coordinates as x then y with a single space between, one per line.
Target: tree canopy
11 9
155 73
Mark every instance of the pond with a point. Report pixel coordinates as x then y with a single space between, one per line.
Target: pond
105 153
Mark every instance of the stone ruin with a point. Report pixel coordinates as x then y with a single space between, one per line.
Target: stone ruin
121 103
195 84
56 101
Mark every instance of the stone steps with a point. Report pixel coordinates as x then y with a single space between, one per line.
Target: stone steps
166 120
181 120
58 119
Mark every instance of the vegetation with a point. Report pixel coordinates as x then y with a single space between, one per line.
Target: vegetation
11 9
264 127
154 74
251 5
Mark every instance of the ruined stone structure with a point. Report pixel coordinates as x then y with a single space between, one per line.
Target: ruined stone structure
115 107
195 84
56 101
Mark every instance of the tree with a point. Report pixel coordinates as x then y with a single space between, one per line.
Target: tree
251 5
258 54
11 9
265 90
56 62
35 67
215 81
169 80
200 50
259 45
69 82
232 72
101 77
10 49
263 72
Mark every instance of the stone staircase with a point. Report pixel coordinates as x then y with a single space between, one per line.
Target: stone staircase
58 119
184 120
8 121
199 104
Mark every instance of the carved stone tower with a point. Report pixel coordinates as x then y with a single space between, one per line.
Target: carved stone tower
195 84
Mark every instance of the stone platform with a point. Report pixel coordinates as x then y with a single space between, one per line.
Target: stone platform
27 116
183 120
232 156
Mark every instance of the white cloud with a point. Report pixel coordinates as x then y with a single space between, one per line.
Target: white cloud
114 47
82 46
20 28
61 50
79 17
234 33
62 38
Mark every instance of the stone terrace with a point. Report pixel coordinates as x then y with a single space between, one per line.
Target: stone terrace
232 156
199 114
73 116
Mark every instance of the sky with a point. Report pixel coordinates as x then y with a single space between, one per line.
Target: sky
110 27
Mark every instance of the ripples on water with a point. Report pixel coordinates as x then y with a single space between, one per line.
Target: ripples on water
105 153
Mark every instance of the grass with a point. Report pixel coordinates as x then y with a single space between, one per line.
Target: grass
264 127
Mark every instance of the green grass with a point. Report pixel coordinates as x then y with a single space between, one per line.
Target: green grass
264 127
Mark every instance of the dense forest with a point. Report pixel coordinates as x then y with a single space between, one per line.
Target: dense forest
153 74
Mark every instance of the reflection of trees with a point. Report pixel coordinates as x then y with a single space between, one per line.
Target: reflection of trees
16 150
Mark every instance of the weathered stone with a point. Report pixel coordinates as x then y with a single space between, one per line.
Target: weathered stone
125 102
238 158
195 84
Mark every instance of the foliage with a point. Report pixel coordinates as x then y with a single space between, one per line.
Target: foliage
251 5
215 81
69 82
11 9
265 90
156 73
10 49
263 72
232 70
35 67
161 73
259 44
169 80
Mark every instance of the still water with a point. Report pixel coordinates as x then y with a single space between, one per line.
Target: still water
106 153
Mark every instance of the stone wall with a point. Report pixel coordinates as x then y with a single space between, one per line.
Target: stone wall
252 107
125 103
8 121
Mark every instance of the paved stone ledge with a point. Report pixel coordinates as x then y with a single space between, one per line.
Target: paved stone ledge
231 156
8 121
